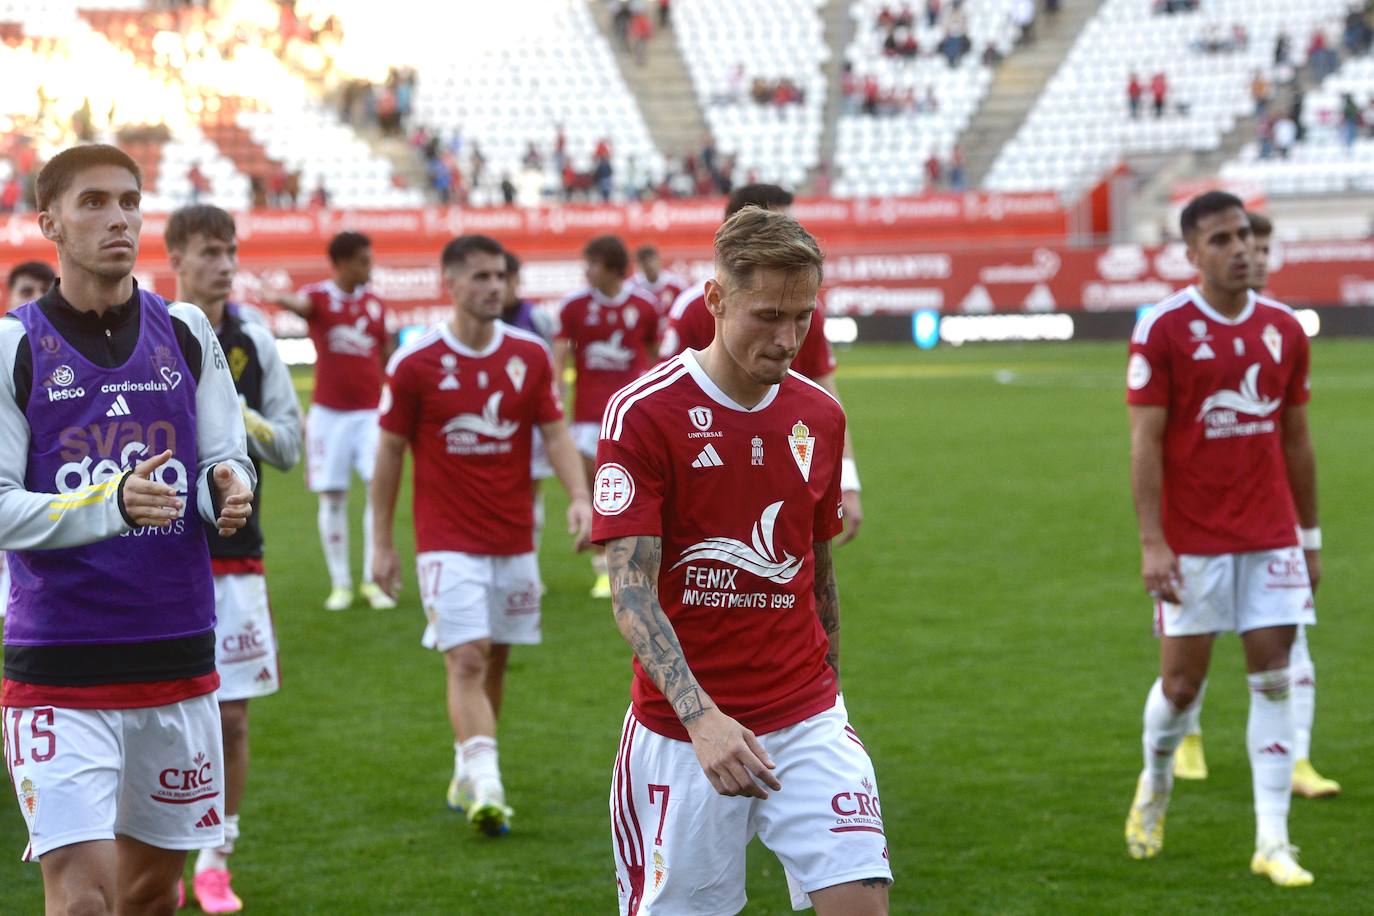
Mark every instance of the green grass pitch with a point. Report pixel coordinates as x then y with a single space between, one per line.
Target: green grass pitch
997 652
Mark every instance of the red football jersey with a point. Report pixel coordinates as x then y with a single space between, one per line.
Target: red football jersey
690 326
468 416
349 333
738 497
1225 383
611 341
664 291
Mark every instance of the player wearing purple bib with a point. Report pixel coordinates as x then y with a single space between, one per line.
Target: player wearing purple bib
119 425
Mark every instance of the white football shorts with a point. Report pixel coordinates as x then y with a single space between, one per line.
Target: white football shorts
154 774
467 597
4 583
679 845
245 640
338 442
540 468
1239 592
584 436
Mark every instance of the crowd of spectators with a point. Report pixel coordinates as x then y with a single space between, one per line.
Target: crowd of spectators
1158 89
386 106
633 22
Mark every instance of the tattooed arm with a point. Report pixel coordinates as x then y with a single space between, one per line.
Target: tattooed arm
828 603
729 754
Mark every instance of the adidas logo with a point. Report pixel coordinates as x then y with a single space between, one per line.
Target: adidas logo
263 675
708 458
1275 748
120 408
211 819
1203 352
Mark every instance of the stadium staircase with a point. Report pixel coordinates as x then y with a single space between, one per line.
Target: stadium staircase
662 88
1018 82
839 32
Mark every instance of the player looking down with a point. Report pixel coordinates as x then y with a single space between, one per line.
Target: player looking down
717 496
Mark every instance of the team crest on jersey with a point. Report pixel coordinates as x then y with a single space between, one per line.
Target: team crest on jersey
49 344
803 447
660 869
756 451
631 318
238 361
1199 329
1273 342
515 371
701 417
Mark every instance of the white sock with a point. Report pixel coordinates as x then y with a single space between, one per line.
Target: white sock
1269 740
1304 695
480 762
1164 728
218 857
333 523
1195 711
367 540
459 771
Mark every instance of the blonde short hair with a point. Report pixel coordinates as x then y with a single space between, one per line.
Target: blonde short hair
756 238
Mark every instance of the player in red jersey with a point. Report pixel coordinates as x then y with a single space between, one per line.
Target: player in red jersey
1189 760
717 496
1223 474
347 323
690 326
662 286
610 329
466 398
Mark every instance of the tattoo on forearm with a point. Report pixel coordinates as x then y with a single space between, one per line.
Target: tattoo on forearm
828 601
633 563
875 882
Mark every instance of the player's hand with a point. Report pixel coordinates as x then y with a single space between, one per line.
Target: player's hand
730 756
1314 567
853 516
580 523
386 568
146 501
234 498
1160 572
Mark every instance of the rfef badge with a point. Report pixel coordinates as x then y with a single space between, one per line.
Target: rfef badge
803 447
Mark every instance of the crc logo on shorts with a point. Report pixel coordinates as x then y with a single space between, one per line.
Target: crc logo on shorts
857 811
186 785
244 645
614 489
523 601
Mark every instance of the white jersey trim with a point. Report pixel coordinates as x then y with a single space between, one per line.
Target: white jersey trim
1206 308
511 330
1272 303
462 349
1141 334
686 298
617 423
410 349
613 406
814 384
714 392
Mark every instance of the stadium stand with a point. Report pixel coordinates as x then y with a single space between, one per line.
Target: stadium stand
1335 154
1082 123
757 71
505 88
900 109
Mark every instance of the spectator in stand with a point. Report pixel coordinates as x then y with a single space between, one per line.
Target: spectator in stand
1135 91
507 190
1259 93
1358 34
1285 135
932 13
641 30
602 175
1350 120
319 198
665 14
1023 17
907 47
11 194
851 90
1264 133
532 159
1283 46
932 172
200 185
887 20
1320 57
906 19
620 20
1159 92
871 95
956 168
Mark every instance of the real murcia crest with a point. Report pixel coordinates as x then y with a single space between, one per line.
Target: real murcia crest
515 371
803 447
1273 342
449 364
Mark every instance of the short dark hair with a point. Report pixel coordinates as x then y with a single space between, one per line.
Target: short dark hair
644 252
1261 226
36 269
346 244
767 196
458 249
1205 205
57 175
198 219
512 264
609 251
